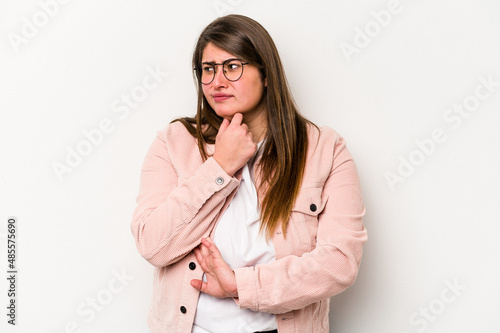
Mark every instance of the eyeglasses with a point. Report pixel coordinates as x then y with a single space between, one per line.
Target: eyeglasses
231 68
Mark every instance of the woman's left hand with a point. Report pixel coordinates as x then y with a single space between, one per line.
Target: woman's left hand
221 281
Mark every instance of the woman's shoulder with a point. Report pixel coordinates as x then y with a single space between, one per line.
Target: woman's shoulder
322 135
176 137
174 131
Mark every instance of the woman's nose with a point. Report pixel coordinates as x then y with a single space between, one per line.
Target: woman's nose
219 78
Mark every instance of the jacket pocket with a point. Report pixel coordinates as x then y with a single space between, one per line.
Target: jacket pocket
305 214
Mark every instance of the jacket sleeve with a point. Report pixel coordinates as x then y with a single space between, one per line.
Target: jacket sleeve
293 282
171 215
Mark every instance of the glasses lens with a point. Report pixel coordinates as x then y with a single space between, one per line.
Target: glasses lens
207 73
233 70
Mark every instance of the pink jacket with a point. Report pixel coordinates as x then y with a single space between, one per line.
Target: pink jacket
181 199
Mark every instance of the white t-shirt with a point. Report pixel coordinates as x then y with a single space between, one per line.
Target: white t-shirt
238 239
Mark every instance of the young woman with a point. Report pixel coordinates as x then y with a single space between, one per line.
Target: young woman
251 214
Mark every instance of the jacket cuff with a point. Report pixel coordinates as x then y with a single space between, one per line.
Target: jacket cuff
224 183
247 288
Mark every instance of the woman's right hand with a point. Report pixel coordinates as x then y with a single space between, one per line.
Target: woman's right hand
234 145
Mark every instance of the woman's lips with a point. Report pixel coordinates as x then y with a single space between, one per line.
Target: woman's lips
221 97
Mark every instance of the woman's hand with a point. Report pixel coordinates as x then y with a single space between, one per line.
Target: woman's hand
234 144
221 281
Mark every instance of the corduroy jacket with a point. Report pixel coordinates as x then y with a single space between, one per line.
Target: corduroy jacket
181 199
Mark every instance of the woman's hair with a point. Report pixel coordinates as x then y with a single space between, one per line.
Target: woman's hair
285 149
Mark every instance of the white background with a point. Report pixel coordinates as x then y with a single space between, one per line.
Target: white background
436 226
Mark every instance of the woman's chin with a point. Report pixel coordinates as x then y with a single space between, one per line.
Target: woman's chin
225 114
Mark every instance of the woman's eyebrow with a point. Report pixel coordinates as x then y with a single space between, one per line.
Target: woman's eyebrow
213 62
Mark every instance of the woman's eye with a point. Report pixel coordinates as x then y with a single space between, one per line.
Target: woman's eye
233 66
208 69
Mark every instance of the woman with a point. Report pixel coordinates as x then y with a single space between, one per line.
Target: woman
251 214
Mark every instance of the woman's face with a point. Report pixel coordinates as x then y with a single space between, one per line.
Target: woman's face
230 97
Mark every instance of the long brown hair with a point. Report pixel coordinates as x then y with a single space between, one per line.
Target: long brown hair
285 150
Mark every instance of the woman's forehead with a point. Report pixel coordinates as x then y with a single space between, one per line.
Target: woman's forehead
212 53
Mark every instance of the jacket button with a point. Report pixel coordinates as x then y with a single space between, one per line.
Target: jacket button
313 207
219 181
183 309
192 266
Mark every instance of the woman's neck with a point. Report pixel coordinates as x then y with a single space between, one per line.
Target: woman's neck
257 123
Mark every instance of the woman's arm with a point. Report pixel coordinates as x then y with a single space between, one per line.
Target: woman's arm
172 217
294 282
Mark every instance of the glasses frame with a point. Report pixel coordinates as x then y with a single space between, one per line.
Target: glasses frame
199 69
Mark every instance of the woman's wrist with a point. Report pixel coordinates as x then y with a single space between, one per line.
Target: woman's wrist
223 165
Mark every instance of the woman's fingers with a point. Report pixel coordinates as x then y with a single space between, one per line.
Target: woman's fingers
208 256
204 251
199 285
223 125
234 144
203 257
221 281
207 242
197 254
237 119
211 247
